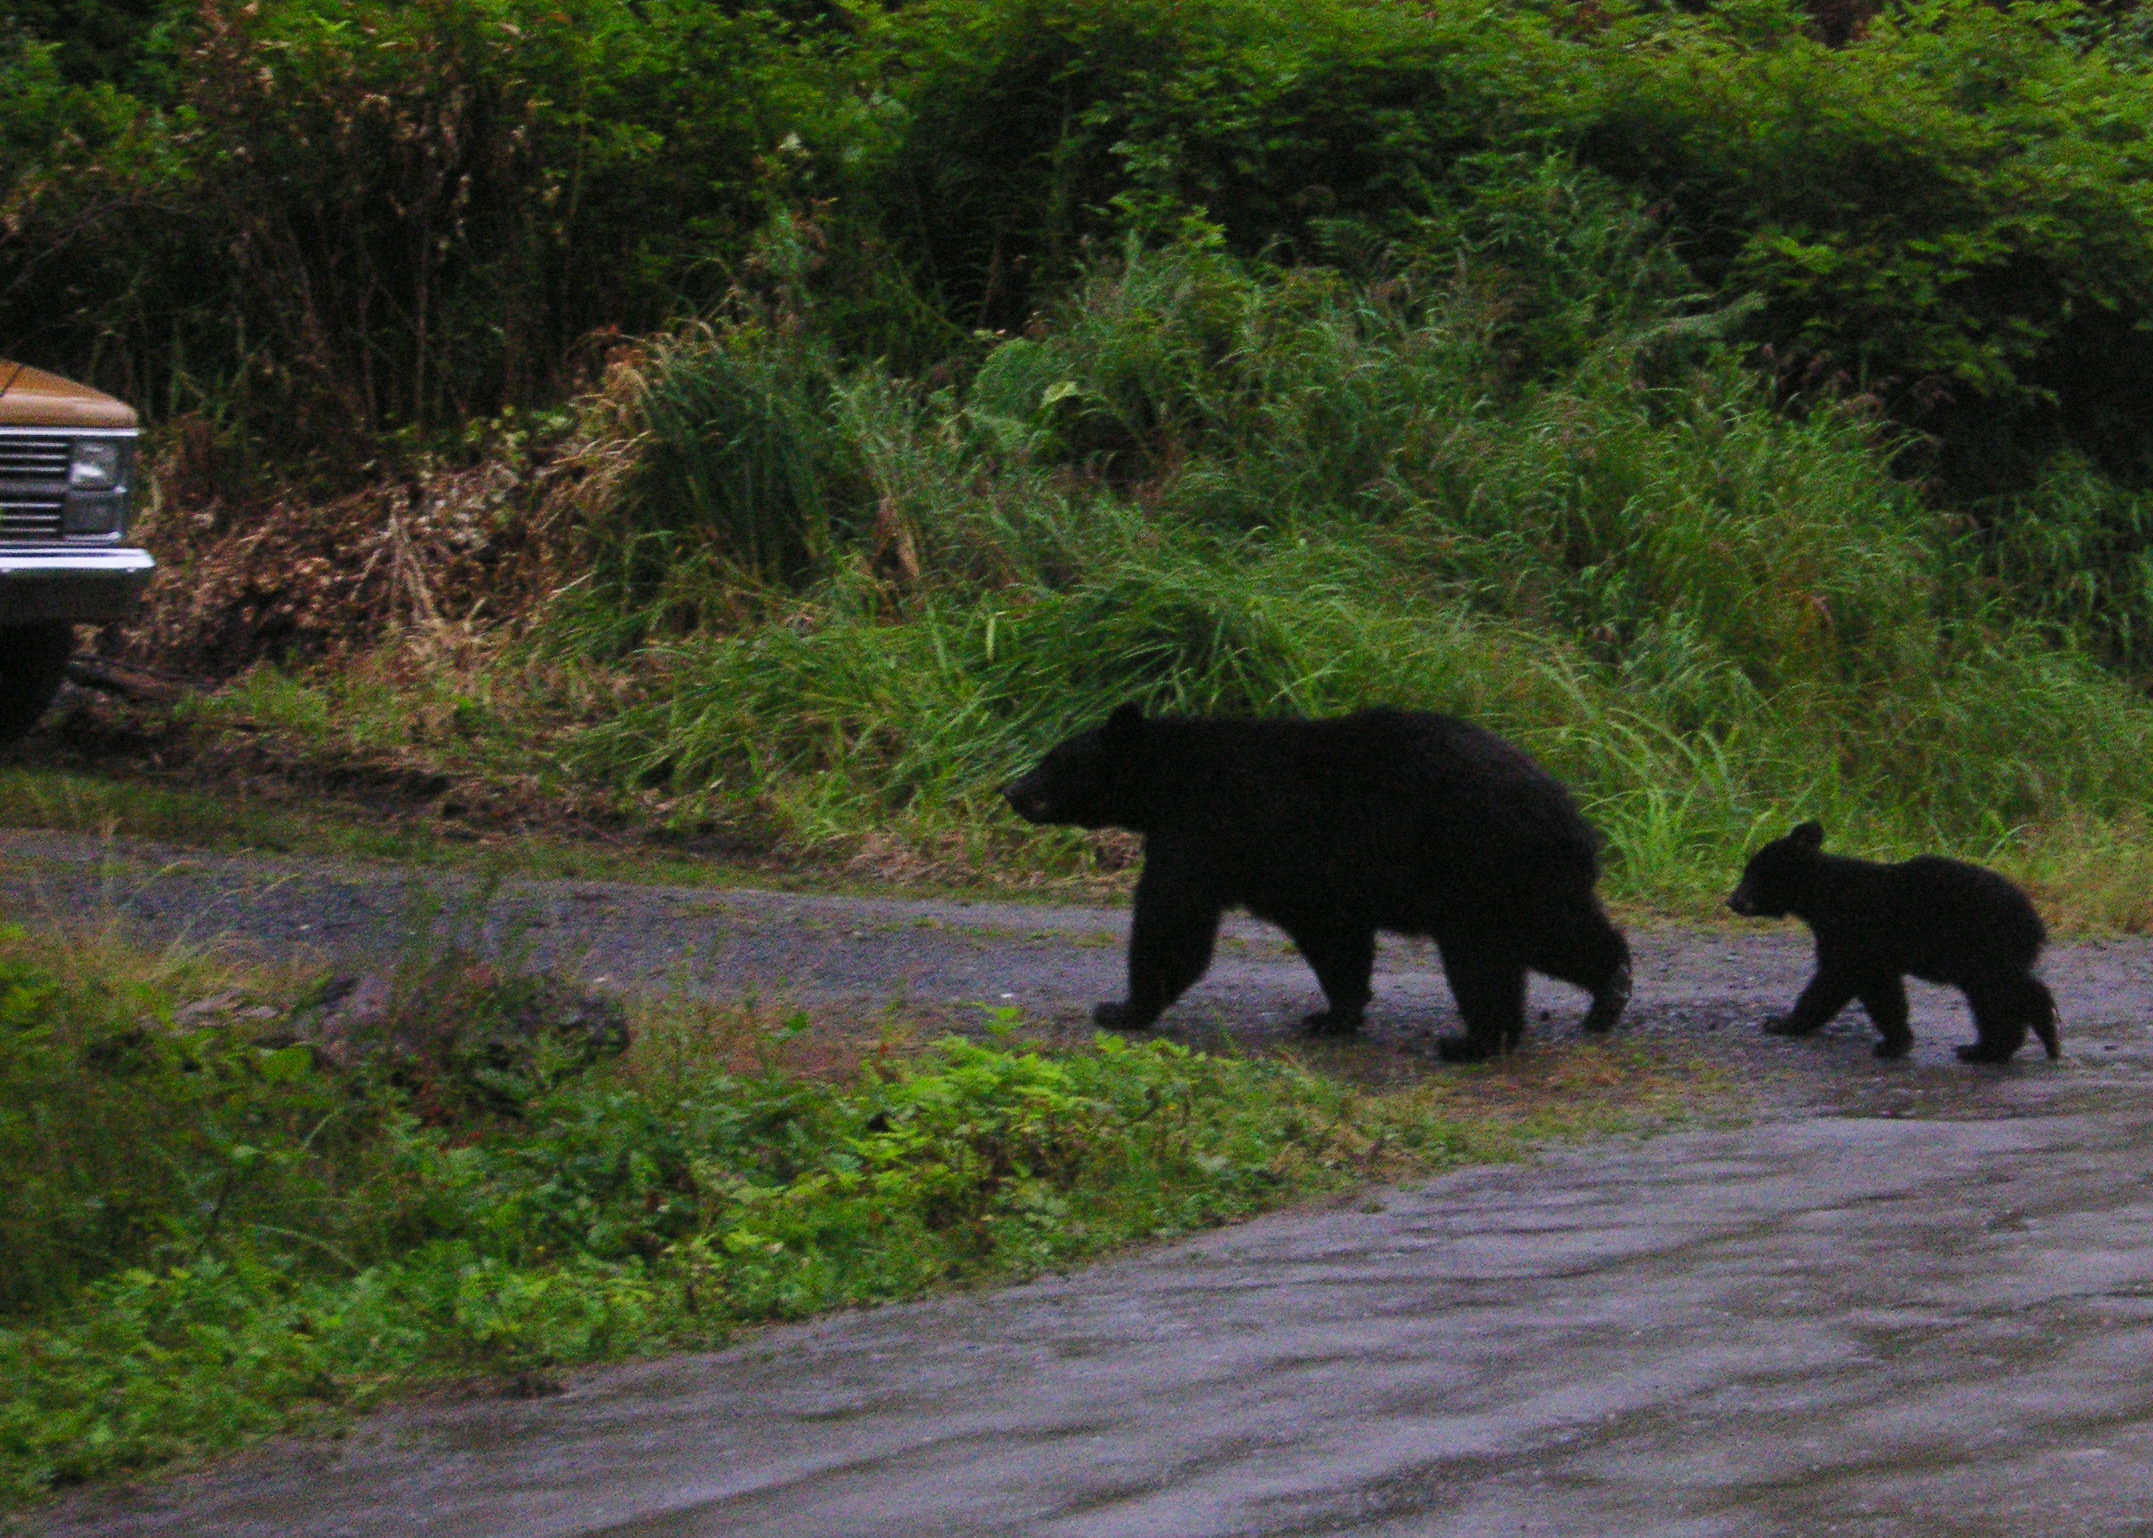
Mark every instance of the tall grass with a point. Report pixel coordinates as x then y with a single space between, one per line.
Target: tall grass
2073 554
738 468
1217 489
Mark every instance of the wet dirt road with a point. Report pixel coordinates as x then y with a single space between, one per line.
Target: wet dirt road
1912 1298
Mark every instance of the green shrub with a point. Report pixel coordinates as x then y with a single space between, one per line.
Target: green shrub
361 218
131 1136
1032 126
94 41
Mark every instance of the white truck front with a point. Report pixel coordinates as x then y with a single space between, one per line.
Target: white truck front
67 473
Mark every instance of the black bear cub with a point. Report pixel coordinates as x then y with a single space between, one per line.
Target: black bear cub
1940 920
1333 830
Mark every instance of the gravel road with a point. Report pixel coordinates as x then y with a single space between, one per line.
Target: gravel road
1911 1298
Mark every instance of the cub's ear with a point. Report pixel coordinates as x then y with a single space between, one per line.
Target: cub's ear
1124 726
1810 835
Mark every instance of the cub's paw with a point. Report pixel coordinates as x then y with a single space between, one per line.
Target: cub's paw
1984 1052
1787 1025
1457 1047
1118 1017
1332 1022
1609 1003
1893 1047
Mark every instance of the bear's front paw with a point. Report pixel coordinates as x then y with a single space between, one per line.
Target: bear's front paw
1786 1025
1609 1002
1457 1047
1332 1022
1892 1048
1118 1017
1984 1052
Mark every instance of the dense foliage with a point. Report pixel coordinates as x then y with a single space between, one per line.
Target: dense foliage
790 418
334 218
298 217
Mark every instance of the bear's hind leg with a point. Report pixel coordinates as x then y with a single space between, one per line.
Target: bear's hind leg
1609 1000
2003 1009
1344 960
2043 1017
1489 985
1885 999
1580 947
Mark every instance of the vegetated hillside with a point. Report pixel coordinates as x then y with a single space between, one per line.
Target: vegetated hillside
784 422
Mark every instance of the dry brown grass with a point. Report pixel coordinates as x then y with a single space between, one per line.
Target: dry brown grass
437 555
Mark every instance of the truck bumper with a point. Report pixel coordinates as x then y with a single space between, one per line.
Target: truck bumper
89 586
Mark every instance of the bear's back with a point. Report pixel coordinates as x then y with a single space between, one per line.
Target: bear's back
1955 916
1374 804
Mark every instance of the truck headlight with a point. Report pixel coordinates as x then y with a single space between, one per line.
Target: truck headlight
97 464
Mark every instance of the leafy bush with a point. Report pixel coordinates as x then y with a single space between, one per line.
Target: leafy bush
98 40
1032 126
131 1135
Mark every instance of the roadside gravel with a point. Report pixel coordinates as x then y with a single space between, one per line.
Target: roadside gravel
947 962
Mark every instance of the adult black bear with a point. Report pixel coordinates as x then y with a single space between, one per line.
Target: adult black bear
1332 830
1943 921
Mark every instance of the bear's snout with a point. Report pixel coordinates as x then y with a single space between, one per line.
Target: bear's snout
1741 902
1026 800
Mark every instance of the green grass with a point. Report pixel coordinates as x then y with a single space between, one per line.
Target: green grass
1214 487
211 1234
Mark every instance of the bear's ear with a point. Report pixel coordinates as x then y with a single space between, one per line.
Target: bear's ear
1124 726
1810 835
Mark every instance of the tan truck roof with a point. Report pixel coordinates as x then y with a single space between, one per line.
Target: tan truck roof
30 397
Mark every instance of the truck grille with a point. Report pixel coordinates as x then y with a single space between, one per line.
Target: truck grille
29 518
34 459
